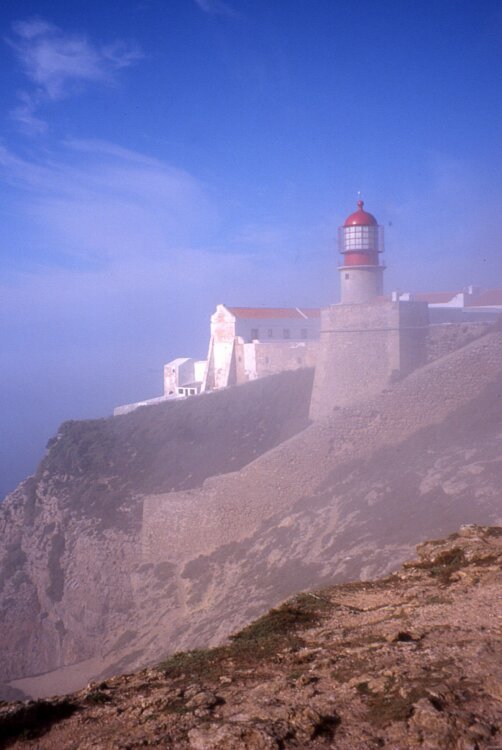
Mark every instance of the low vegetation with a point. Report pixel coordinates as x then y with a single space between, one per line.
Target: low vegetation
262 640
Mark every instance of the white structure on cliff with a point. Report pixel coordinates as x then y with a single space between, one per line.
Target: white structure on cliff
357 346
367 340
245 343
250 342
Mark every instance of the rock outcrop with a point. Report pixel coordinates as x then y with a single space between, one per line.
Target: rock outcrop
413 660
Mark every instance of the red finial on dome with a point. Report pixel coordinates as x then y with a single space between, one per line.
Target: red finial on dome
360 217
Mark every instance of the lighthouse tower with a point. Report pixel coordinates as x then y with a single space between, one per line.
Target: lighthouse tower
367 341
360 243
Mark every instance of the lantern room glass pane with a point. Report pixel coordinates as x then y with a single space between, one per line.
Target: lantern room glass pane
364 238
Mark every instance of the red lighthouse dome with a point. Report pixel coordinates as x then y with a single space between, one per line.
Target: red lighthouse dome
360 218
360 243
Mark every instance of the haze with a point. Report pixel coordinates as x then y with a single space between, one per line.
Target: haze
158 158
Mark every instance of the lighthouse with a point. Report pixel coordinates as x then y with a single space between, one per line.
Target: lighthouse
360 240
367 341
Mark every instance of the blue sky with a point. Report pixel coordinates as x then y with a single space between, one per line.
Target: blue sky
159 157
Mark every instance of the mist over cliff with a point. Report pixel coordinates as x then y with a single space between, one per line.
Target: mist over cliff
174 525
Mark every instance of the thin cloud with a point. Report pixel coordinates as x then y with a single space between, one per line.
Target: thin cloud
216 8
58 64
98 202
25 113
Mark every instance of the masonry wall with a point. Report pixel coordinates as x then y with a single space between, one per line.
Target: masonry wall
359 284
447 337
365 347
232 506
413 335
274 358
271 330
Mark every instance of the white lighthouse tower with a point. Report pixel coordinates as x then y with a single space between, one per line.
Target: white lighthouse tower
360 243
367 341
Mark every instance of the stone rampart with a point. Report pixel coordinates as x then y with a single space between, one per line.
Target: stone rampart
230 507
363 348
443 338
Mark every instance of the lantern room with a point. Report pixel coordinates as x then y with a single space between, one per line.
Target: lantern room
360 242
360 238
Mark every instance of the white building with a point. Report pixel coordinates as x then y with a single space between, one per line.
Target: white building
247 343
251 342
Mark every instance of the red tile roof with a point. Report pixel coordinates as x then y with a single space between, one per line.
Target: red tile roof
274 312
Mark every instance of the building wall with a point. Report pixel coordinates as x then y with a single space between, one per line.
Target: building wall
277 329
222 325
243 349
220 358
180 372
273 358
199 368
220 365
363 348
360 285
171 377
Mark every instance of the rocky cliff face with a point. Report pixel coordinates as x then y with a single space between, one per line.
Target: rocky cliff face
70 536
123 547
413 660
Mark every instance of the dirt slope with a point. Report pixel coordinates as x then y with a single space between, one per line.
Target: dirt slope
409 661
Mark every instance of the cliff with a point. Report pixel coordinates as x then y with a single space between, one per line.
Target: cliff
70 535
178 524
409 661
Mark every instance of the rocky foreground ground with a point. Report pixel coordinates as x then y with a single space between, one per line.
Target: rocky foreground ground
413 660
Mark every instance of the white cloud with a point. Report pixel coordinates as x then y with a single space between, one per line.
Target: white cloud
25 115
106 212
58 64
33 27
216 7
101 203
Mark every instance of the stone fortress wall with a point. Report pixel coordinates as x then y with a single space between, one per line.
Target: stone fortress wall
444 338
228 508
363 348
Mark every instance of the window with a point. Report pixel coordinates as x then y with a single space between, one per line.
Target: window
298 360
286 333
360 238
270 333
180 391
192 391
346 276
255 334
267 360
304 334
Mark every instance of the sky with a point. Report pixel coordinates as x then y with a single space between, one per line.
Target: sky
158 158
